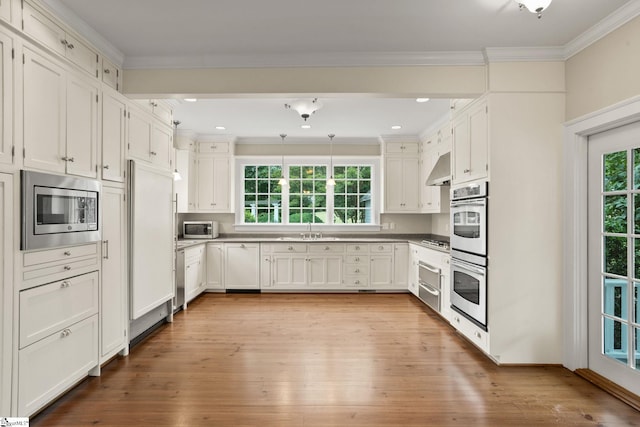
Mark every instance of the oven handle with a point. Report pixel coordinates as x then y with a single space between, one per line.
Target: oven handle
472 202
428 267
467 266
429 289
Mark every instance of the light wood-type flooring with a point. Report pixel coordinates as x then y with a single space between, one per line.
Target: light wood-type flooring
324 360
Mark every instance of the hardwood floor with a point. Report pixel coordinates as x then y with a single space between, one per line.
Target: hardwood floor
324 360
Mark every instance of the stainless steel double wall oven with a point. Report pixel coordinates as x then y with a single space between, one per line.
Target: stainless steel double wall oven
469 251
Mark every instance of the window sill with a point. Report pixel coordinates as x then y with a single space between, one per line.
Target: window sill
301 228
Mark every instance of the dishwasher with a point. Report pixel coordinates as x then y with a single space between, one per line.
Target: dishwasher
429 290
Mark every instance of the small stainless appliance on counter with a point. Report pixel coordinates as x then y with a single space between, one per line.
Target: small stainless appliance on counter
200 229
58 210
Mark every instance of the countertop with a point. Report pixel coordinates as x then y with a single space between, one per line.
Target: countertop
388 238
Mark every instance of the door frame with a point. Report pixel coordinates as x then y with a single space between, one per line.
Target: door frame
575 224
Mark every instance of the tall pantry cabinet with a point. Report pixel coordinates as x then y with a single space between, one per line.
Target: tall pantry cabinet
6 290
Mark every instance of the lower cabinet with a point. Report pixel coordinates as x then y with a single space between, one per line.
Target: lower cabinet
194 272
215 266
50 366
242 265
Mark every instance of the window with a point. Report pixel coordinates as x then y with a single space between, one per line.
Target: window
307 199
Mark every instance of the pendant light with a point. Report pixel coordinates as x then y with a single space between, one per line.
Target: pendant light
176 174
534 6
331 182
282 180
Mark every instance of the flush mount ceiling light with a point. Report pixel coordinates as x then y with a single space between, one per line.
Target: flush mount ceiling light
190 99
221 128
396 127
282 180
331 182
306 126
534 6
304 107
421 100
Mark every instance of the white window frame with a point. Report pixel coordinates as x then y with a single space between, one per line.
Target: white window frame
242 161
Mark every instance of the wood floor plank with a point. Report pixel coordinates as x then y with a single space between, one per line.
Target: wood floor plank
324 360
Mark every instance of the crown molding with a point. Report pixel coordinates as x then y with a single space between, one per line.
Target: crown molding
399 138
214 138
338 59
609 24
292 140
435 126
67 16
524 54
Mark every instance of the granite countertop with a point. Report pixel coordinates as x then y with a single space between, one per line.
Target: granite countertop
345 238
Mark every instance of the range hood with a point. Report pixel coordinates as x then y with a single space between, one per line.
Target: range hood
441 172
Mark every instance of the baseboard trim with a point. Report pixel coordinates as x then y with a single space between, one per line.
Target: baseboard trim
610 387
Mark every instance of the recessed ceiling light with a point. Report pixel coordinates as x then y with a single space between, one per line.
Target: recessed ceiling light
306 126
190 99
396 127
422 100
221 128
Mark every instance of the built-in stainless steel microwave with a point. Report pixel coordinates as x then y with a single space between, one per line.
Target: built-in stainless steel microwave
58 210
200 229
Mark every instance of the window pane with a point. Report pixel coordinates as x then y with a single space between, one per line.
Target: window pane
295 216
352 187
615 340
615 171
307 186
636 259
352 172
294 186
615 255
320 172
365 172
340 201
250 186
249 171
248 216
364 187
295 172
615 214
636 303
340 216
636 336
320 216
307 172
636 168
294 201
274 186
263 186
321 186
276 171
340 187
339 172
263 171
615 297
352 201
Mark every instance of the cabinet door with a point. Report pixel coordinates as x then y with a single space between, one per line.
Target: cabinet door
400 265
393 179
192 184
289 271
113 136
161 146
5 13
113 302
461 149
6 95
82 55
381 271
410 184
43 29
44 104
139 145
205 183
221 184
242 266
478 141
82 127
215 266
325 271
192 279
427 197
110 74
181 187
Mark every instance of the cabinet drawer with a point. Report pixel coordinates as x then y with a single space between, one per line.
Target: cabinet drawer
42 28
55 363
381 248
82 55
357 259
300 248
359 282
59 254
356 270
193 253
49 272
357 248
50 308
402 147
214 147
326 248
477 336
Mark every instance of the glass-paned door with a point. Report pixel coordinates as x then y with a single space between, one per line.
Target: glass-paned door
614 255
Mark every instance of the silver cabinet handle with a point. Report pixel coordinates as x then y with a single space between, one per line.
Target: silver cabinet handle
67 253
357 259
67 267
357 282
326 248
106 249
107 71
68 159
290 248
70 45
65 333
357 270
64 285
242 246
105 167
153 153
357 248
64 42
213 147
466 171
380 247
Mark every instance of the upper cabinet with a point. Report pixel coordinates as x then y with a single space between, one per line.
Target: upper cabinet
54 36
114 118
65 108
401 168
158 109
149 139
471 142
6 97
111 75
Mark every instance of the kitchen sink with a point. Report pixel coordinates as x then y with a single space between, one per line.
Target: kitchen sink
308 239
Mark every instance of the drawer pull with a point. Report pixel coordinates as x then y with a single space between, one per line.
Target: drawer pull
357 248
357 282
67 267
478 335
357 270
326 248
290 248
107 71
380 247
67 253
64 285
65 333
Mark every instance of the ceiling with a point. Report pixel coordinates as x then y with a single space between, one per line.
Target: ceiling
228 33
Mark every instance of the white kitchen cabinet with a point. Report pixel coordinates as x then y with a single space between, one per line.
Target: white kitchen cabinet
433 198
149 139
113 288
401 191
356 266
400 265
65 107
403 148
478 336
436 259
215 266
381 270
413 270
6 290
6 94
54 36
242 265
50 366
195 272
215 147
186 165
470 143
111 74
214 183
114 119
158 109
325 271
289 271
10 11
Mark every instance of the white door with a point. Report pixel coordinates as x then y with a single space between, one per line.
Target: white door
6 95
221 184
82 127
242 266
614 255
289 271
6 289
214 266
113 290
161 146
139 127
205 183
113 136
